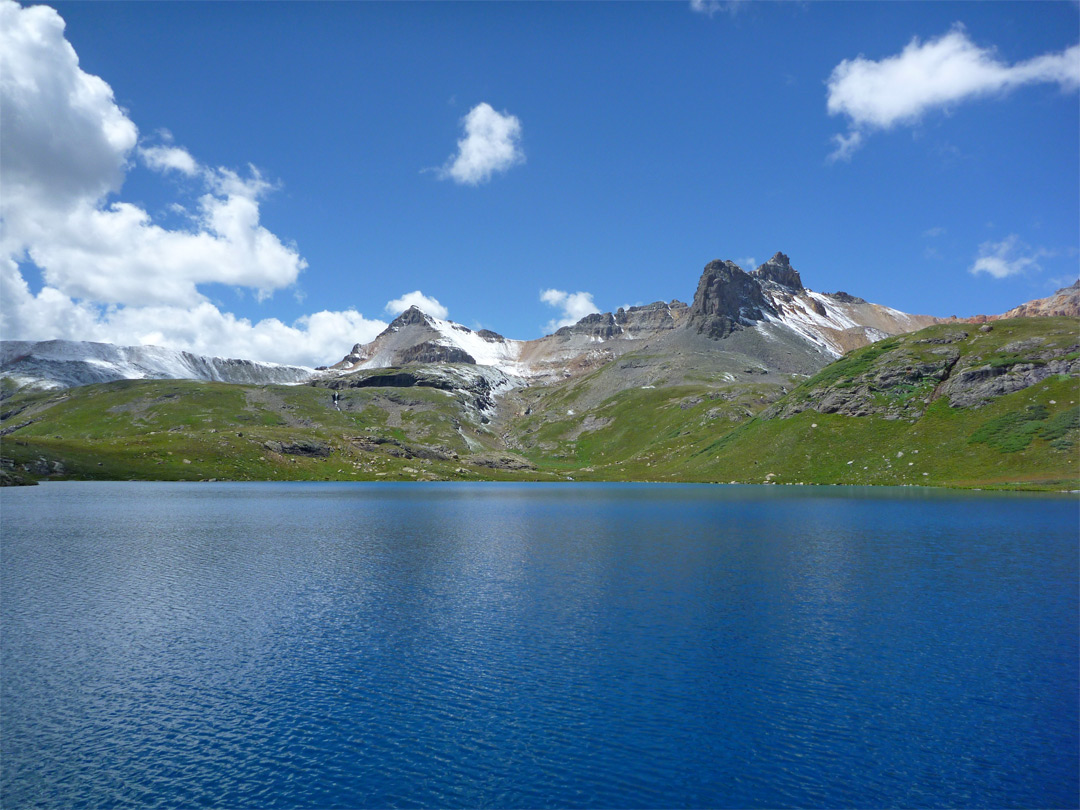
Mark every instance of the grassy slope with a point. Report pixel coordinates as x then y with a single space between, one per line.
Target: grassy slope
185 430
1027 439
708 431
940 449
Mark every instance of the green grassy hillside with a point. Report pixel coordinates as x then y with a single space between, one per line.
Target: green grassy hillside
184 430
951 405
936 409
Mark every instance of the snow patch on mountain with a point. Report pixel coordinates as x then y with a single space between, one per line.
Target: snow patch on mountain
55 364
498 352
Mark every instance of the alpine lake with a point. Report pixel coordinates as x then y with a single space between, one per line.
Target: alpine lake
348 645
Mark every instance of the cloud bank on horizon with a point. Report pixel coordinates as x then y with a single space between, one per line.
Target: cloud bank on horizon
936 74
109 272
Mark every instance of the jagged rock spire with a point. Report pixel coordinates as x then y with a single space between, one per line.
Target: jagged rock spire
778 269
726 295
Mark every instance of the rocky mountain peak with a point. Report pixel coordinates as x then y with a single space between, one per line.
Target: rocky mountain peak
413 316
778 270
726 297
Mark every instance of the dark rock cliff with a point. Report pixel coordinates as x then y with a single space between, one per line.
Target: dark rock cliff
726 297
778 270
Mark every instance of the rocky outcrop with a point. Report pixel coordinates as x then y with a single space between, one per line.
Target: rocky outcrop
300 447
900 377
434 353
650 320
475 386
727 297
845 298
975 386
900 384
1065 301
778 270
501 461
413 316
654 318
600 325
399 449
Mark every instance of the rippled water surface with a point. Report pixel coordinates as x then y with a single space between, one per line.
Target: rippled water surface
340 645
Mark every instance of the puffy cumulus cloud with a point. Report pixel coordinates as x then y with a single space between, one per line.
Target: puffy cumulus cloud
169 158
116 254
67 147
574 307
64 136
429 305
110 272
900 89
1007 258
318 339
492 143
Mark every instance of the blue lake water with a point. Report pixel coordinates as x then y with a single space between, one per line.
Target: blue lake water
344 645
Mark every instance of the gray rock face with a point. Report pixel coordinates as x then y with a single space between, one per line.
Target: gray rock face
475 385
400 449
598 325
434 353
726 297
846 298
778 270
977 386
413 316
300 448
898 385
501 461
902 378
652 318
950 337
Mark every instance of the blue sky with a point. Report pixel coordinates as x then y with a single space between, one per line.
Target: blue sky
638 142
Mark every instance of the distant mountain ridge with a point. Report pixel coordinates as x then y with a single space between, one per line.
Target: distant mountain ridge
68 363
771 301
739 323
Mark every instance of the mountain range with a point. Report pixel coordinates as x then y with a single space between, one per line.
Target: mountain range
668 386
766 317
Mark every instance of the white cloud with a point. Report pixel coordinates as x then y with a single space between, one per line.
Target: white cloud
492 143
428 305
1008 257
710 7
933 233
574 306
318 339
747 262
846 145
67 146
110 272
930 75
165 158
